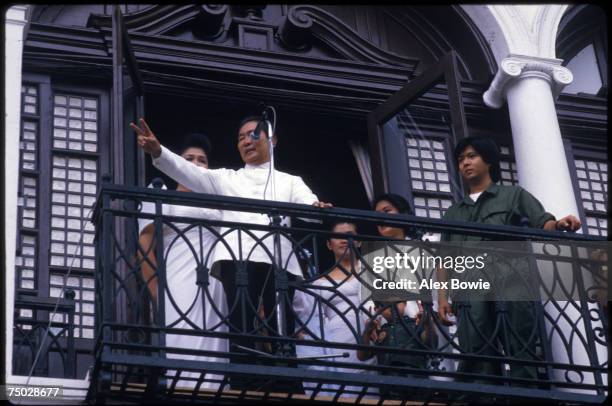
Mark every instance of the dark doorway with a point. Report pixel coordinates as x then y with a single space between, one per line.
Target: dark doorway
312 146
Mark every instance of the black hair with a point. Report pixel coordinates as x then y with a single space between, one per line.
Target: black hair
386 303
396 200
332 224
488 150
380 303
195 140
402 206
251 117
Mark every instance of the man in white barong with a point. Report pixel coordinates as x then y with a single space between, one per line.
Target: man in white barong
251 181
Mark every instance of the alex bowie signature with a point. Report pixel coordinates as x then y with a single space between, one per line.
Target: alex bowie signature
409 284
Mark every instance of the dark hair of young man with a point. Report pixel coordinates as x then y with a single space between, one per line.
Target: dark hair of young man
195 140
488 150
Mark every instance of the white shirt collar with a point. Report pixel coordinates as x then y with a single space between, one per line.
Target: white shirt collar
265 165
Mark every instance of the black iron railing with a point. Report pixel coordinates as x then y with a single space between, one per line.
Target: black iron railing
158 338
38 341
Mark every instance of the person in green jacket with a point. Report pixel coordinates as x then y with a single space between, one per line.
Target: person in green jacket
479 323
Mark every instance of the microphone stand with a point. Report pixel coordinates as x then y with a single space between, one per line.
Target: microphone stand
280 279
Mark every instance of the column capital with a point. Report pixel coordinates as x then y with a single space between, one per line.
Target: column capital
16 14
515 67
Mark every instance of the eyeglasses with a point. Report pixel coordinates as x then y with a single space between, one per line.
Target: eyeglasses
250 134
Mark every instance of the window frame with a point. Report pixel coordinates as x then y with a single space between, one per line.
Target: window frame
390 172
48 85
573 152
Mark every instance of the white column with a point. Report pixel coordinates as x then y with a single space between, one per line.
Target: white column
15 20
531 86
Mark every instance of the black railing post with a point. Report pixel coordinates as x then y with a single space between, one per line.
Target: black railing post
280 277
70 370
42 366
158 375
105 379
583 308
540 312
202 277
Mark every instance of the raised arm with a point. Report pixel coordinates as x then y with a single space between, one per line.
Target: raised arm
191 176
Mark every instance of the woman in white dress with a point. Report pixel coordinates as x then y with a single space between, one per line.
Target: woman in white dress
307 327
187 304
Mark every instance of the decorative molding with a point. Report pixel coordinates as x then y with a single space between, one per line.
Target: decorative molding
251 11
515 67
331 30
547 23
514 28
301 25
155 20
82 52
210 21
532 35
296 31
484 43
16 15
253 33
483 18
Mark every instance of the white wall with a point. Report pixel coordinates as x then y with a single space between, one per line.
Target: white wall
15 21
74 390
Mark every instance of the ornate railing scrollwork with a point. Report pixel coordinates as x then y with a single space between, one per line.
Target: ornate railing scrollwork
544 329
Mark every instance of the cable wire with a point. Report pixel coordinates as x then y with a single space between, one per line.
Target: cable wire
270 135
260 298
54 312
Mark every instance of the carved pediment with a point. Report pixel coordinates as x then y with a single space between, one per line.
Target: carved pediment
301 29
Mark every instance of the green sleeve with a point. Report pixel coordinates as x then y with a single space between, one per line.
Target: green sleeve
445 236
531 208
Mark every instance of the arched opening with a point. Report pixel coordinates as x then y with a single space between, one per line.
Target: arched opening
582 43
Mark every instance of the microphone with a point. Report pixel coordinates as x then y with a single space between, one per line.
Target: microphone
262 125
